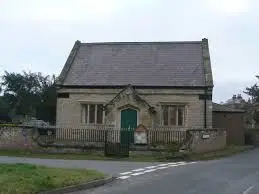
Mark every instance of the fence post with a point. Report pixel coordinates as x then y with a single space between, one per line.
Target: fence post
105 142
129 140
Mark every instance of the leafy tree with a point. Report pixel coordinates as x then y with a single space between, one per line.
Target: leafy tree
21 91
253 92
47 108
4 108
30 94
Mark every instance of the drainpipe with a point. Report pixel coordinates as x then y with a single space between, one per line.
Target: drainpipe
205 107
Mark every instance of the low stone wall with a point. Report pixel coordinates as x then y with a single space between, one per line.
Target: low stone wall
207 140
17 137
197 141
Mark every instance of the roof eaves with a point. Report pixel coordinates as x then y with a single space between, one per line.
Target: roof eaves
134 86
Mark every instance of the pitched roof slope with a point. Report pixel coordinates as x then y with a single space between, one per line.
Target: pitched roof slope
135 63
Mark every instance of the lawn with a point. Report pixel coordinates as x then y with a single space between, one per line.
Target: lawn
157 157
27 178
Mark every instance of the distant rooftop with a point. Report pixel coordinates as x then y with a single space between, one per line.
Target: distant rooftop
223 108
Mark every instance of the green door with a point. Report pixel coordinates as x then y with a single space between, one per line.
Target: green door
128 125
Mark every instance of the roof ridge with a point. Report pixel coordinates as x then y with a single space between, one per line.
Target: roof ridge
147 42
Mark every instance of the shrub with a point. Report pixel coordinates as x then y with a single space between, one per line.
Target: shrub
249 138
173 147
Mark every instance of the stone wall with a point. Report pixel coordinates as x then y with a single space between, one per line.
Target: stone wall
69 109
199 140
17 137
207 140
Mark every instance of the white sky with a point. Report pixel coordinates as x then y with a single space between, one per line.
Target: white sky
38 35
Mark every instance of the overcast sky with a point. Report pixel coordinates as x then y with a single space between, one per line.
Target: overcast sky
38 35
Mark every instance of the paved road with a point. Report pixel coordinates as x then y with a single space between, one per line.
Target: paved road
234 175
108 167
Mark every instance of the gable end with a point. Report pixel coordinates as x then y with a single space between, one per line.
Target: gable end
68 63
206 63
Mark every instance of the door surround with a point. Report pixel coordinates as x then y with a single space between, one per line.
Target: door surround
118 124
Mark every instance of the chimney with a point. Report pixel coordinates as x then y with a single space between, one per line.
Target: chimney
239 96
234 97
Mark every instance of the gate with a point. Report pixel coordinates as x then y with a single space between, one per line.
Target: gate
116 145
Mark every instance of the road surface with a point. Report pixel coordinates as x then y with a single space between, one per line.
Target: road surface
238 174
234 175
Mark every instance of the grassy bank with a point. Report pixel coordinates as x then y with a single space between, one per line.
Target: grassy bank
228 151
156 157
78 156
26 178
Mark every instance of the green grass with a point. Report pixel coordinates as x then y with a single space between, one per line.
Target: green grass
157 157
44 155
77 156
27 178
228 151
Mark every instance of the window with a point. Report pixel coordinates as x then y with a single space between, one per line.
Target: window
173 115
63 95
100 114
92 114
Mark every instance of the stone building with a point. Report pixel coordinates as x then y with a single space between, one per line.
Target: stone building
236 101
126 84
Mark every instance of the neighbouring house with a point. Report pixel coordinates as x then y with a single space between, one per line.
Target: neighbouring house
236 101
251 116
231 119
127 84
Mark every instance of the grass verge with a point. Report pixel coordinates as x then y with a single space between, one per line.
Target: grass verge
27 178
79 156
44 155
156 157
228 151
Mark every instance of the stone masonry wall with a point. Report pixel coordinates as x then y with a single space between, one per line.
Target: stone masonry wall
69 109
128 101
16 137
200 140
207 140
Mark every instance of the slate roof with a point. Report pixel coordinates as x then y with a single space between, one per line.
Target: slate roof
134 63
223 108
